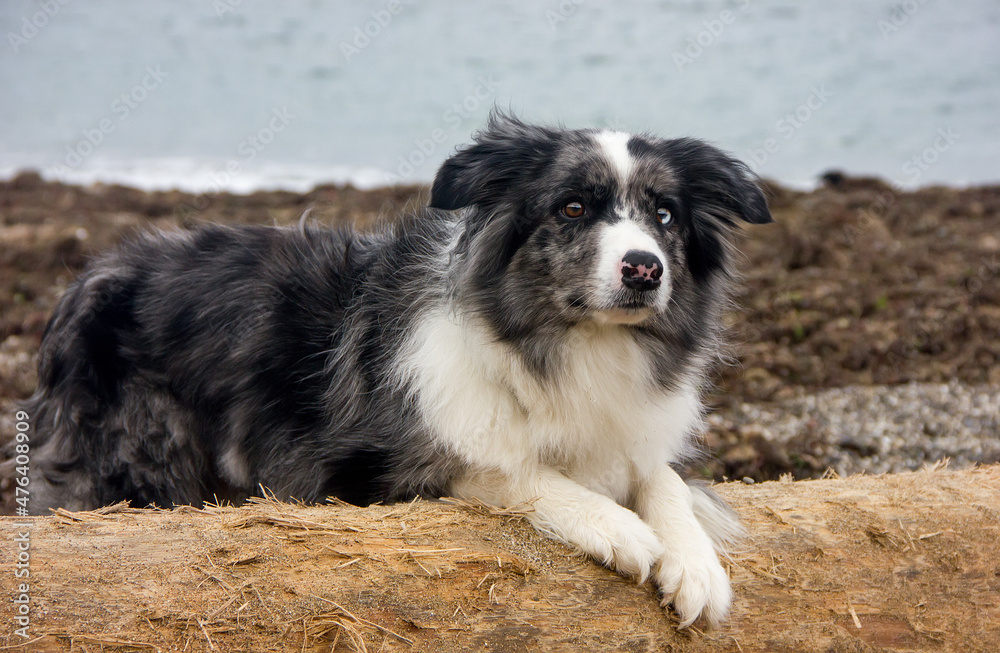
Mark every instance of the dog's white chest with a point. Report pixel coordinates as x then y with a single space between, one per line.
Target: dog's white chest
602 380
597 417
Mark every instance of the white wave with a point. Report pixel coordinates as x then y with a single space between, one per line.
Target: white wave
196 175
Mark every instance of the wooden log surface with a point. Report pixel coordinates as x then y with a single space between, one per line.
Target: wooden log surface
907 562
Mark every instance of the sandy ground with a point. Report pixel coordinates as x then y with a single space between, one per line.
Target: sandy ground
858 288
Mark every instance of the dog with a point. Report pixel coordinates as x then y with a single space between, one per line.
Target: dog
538 334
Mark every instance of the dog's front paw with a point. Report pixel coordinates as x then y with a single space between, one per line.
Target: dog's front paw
693 580
627 544
619 539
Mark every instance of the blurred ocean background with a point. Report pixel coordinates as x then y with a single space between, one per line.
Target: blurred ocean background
239 95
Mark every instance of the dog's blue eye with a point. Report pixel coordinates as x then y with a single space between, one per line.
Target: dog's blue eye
664 216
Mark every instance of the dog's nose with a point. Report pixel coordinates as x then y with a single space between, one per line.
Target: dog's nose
641 270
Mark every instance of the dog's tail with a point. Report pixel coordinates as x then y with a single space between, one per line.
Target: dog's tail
80 371
718 519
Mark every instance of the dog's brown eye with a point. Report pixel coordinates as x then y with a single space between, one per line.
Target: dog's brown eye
573 210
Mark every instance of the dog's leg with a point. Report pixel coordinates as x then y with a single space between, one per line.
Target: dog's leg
689 572
569 512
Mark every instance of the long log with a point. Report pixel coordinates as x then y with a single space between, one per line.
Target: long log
907 562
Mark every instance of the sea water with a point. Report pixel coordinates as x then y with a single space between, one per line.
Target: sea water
246 94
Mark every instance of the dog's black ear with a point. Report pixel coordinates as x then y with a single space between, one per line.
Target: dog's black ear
720 191
723 186
502 154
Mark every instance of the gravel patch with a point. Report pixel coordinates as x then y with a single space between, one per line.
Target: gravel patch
876 429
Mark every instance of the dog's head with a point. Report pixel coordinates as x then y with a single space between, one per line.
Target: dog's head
588 224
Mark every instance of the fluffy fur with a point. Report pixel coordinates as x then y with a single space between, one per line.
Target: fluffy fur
499 344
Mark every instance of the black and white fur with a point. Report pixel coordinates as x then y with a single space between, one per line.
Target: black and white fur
497 345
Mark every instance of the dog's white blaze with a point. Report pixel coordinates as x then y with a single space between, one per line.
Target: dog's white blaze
614 242
615 147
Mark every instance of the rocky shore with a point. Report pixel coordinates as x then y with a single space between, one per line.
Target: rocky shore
866 333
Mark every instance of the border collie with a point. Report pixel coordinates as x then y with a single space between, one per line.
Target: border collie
537 335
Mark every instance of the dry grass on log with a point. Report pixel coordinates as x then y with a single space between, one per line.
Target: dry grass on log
900 562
